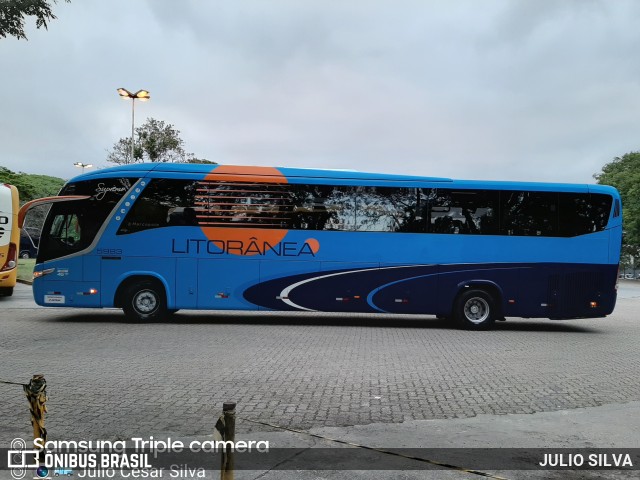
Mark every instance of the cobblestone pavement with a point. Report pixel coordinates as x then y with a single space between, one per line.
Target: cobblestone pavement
108 379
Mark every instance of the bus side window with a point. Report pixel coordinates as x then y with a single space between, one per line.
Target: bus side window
582 213
471 212
164 202
529 213
385 209
322 207
182 216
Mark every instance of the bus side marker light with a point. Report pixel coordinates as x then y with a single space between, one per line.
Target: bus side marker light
402 300
92 291
511 302
593 304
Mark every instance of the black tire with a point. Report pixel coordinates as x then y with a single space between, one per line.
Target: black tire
475 310
145 302
6 291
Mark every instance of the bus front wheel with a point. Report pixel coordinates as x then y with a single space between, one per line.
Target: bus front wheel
145 301
475 310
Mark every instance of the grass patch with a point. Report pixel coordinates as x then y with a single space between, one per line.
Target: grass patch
25 269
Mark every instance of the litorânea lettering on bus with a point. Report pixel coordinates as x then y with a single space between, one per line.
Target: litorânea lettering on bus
240 247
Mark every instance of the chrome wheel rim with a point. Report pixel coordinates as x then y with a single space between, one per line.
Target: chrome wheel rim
476 310
145 302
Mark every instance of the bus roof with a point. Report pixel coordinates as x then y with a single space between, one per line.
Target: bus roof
195 168
160 169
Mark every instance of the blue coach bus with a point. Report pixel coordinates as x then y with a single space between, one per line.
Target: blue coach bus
155 238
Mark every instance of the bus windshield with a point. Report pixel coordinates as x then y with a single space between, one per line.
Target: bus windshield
72 226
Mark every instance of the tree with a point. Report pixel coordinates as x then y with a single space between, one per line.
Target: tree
623 173
12 13
31 187
154 141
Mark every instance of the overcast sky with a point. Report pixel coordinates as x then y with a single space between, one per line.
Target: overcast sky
514 90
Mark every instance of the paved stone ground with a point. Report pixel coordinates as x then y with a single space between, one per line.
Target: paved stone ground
108 379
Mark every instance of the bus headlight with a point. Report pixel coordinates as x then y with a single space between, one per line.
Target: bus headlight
42 273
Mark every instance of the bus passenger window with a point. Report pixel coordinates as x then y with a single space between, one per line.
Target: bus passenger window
471 212
582 213
529 213
164 202
384 209
322 207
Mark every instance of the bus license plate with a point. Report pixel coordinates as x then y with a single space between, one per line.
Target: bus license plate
59 299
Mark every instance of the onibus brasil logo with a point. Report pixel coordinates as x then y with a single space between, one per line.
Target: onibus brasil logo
26 463
22 460
43 463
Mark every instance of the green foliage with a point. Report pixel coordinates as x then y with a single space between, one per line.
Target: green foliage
629 257
154 141
13 12
623 173
200 160
25 269
31 186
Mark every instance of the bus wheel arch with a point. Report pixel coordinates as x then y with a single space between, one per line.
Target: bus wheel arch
142 298
477 306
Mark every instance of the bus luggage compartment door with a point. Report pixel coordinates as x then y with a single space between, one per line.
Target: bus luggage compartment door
221 282
186 283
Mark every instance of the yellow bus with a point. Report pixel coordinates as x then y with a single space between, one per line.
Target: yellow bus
9 238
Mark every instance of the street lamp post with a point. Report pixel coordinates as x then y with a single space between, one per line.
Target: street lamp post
141 95
82 165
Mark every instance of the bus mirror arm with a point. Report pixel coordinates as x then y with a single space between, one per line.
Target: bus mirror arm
42 201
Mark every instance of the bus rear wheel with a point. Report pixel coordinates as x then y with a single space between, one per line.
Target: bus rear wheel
474 310
145 301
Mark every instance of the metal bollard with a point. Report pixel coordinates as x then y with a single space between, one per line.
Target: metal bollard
36 392
229 414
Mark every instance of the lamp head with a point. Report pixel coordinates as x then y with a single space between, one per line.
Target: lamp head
124 93
142 95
